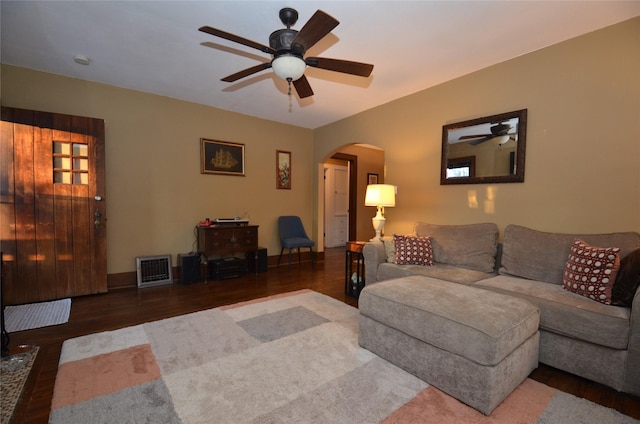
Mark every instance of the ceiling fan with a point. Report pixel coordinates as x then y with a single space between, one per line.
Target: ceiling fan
498 130
288 46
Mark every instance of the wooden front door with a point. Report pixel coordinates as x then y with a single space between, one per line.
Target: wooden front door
52 206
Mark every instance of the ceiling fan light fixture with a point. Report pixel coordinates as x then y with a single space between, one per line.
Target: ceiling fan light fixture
503 139
288 67
81 59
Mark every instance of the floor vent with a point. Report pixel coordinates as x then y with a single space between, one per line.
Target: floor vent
153 270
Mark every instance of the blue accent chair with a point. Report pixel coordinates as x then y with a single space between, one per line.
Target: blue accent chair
293 236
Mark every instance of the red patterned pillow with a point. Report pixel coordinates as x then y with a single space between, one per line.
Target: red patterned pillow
591 271
413 250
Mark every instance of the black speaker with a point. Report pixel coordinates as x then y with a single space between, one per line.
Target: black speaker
257 260
189 268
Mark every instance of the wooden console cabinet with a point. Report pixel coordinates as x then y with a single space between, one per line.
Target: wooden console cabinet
227 240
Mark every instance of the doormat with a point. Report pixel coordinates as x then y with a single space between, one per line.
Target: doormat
36 315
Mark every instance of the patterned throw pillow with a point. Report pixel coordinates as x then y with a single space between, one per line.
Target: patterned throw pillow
413 250
591 271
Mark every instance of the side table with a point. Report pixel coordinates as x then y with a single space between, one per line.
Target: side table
354 268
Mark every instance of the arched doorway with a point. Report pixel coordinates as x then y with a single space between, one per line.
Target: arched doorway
340 206
360 160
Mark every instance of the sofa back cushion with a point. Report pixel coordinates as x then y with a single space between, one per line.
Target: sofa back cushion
627 280
471 246
389 249
542 256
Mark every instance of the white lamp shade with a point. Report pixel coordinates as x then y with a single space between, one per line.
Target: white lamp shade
288 66
380 195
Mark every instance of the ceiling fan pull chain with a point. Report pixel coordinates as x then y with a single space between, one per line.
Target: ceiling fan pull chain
289 82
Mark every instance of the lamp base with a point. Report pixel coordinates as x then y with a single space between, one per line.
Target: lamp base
378 224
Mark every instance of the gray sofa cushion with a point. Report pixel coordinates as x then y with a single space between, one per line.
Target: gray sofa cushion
388 271
567 313
476 324
389 249
472 246
542 256
628 280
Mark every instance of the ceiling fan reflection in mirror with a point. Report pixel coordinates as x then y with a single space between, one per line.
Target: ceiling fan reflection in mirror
288 46
498 130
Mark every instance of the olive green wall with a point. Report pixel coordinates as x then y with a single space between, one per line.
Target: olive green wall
155 192
582 165
583 141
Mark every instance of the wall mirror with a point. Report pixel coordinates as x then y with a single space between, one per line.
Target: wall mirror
490 149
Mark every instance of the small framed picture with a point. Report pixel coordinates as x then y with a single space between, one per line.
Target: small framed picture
221 157
372 178
283 170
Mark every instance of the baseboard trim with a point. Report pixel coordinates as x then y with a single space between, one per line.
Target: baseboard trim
126 280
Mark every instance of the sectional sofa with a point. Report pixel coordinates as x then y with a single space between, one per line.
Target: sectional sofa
598 341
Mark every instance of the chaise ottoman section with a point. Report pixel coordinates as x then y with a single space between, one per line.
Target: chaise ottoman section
468 342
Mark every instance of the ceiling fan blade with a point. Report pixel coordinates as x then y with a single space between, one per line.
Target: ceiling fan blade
500 129
338 65
313 31
476 142
302 87
247 72
236 39
469 137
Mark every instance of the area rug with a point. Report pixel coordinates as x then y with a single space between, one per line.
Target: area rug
14 371
291 358
36 315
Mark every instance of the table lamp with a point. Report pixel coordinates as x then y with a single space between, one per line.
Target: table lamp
380 196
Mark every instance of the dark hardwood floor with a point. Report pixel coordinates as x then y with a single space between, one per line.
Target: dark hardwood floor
125 307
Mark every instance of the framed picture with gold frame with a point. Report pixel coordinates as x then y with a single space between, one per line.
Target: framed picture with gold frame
221 157
283 170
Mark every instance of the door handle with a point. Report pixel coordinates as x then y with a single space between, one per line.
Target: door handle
97 219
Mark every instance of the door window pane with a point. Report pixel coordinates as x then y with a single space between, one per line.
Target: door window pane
80 164
61 148
80 178
80 150
61 162
61 177
70 163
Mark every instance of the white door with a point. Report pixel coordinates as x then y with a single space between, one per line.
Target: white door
336 205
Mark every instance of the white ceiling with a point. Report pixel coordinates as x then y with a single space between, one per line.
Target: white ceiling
155 46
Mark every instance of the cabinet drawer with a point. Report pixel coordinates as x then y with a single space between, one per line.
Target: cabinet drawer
227 240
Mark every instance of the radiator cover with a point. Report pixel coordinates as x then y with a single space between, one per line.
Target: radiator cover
154 270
